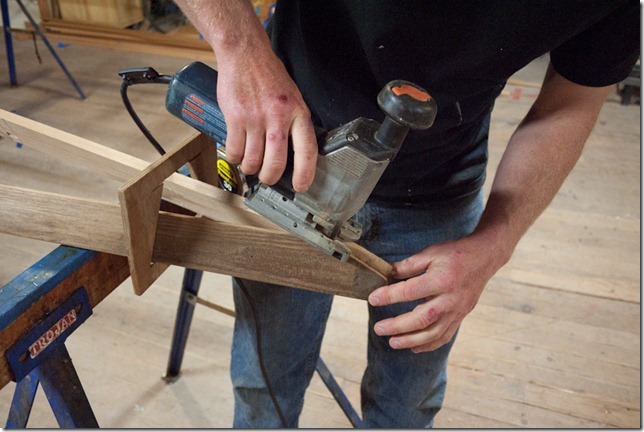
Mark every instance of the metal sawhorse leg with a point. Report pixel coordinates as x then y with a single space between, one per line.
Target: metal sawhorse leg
63 389
187 301
6 25
8 41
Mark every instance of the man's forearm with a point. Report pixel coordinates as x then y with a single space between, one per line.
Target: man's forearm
540 155
230 27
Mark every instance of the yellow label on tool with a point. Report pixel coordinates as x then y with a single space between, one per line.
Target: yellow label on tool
227 176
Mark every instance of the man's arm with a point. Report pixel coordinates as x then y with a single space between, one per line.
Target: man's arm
262 106
451 276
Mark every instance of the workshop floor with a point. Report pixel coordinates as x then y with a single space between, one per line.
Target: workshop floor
553 343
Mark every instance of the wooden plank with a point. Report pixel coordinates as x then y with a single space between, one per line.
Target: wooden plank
199 243
179 189
567 306
192 54
561 358
569 371
562 237
492 407
64 220
140 212
449 418
97 31
558 336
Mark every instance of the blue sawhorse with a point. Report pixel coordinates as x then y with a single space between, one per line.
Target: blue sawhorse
39 309
8 41
187 301
42 306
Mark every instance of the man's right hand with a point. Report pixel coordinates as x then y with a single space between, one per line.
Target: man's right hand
260 102
263 107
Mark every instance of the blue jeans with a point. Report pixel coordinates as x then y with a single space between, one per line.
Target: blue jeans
399 389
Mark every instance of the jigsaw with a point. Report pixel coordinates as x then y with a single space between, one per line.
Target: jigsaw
351 157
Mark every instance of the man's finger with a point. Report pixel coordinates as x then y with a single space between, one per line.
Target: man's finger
412 266
275 154
253 152
235 144
438 342
416 288
430 337
305 150
423 316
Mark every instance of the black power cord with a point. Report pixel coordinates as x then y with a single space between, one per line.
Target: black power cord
141 76
150 76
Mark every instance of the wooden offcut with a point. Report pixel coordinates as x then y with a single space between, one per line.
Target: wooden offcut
140 199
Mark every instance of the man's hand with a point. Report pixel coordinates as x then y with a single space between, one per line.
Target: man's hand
449 278
262 106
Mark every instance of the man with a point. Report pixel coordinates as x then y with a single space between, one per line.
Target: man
324 63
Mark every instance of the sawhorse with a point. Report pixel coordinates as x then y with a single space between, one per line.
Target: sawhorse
39 309
185 311
42 306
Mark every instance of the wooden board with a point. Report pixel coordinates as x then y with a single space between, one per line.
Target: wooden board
191 40
192 242
178 189
188 45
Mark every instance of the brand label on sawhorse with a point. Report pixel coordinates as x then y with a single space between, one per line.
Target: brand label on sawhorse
52 334
52 331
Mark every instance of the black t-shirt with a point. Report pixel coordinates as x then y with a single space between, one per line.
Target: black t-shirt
341 53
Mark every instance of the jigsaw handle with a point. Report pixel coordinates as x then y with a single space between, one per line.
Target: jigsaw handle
407 106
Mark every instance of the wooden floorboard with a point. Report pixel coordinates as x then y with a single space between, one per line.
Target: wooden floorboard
553 343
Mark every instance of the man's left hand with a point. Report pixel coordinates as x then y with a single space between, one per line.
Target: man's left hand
449 277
